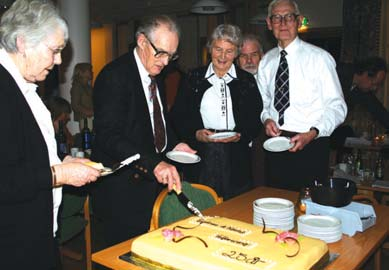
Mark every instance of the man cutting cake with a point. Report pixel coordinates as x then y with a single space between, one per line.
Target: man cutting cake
129 110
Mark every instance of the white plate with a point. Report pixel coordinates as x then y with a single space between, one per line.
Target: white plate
320 223
278 144
273 204
183 157
222 135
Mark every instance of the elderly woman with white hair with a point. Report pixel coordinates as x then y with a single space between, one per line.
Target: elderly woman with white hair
32 35
217 111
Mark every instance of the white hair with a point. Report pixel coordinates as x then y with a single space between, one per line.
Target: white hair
276 2
32 20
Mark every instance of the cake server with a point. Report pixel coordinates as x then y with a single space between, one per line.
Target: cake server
187 203
119 165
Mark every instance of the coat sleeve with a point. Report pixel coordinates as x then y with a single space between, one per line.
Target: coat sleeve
185 115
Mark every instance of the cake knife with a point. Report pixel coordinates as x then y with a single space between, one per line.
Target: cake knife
187 203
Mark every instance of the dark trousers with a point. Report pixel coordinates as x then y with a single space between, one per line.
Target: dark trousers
58 258
124 204
294 171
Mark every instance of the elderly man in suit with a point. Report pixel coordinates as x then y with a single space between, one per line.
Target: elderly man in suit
129 109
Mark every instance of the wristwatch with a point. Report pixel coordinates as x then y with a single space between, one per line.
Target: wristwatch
315 129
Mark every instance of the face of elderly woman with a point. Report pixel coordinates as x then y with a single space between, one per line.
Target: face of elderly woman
42 58
223 54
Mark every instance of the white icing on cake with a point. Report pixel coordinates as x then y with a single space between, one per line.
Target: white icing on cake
222 243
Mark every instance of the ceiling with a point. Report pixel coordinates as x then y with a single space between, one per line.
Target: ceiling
107 11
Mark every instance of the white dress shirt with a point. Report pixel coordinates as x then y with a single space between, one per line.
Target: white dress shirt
42 117
146 80
315 94
216 105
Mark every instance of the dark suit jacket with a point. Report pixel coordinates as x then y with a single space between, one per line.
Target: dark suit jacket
26 202
123 128
122 120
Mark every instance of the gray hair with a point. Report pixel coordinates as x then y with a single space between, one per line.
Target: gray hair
32 20
228 32
276 2
150 24
253 38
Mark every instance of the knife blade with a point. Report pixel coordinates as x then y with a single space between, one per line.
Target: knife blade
188 203
125 162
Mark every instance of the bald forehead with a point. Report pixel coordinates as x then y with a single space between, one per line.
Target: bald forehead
164 28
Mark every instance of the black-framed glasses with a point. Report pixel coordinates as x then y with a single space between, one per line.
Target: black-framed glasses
161 53
287 18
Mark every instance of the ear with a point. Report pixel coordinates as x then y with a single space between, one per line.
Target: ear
21 44
268 22
299 21
141 41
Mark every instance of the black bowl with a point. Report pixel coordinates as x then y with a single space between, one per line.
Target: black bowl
336 192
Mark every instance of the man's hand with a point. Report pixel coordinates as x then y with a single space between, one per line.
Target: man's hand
185 148
301 140
271 128
167 174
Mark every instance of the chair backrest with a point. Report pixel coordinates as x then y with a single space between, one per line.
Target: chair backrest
70 219
365 199
167 207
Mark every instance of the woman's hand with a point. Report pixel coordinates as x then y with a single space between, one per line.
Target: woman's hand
202 135
74 173
234 138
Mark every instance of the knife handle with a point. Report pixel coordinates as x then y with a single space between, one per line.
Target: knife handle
175 189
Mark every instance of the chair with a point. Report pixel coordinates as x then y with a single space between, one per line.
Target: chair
168 209
74 218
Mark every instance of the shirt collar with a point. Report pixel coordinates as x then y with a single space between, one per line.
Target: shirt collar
7 62
229 76
144 75
292 47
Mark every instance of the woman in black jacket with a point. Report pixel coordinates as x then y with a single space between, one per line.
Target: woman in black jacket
217 111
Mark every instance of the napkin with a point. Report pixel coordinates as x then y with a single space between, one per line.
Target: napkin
354 217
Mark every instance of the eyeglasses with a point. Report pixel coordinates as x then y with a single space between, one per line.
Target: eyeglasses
228 52
246 56
287 18
161 53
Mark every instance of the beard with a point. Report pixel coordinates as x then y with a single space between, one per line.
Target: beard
251 68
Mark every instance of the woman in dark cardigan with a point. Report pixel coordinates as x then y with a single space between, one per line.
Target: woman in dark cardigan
218 98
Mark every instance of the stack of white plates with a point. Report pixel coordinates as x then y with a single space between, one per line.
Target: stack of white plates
276 212
326 228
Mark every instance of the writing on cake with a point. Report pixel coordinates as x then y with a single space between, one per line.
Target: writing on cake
253 262
239 243
229 228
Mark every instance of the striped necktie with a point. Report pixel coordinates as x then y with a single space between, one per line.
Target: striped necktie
281 93
159 127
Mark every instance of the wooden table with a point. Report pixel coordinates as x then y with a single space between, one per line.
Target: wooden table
354 251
